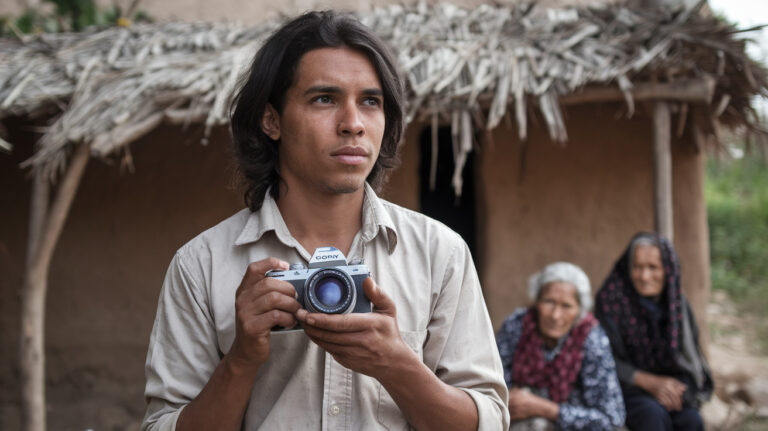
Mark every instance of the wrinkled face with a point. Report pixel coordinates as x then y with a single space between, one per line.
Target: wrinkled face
332 124
647 271
558 308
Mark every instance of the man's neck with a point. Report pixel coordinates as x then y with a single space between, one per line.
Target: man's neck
322 219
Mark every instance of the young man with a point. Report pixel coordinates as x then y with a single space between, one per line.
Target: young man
316 128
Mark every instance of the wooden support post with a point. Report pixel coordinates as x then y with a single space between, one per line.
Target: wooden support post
662 163
45 229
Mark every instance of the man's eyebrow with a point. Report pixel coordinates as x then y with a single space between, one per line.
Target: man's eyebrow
322 89
373 92
337 90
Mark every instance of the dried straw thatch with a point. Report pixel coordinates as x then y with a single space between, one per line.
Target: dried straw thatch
472 67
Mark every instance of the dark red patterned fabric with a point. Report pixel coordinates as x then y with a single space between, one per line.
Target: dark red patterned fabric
650 330
558 375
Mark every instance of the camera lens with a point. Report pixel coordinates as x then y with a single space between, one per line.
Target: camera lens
329 291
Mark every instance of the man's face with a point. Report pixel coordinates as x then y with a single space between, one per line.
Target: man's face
332 122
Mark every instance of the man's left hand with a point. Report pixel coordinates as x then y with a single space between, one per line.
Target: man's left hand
368 343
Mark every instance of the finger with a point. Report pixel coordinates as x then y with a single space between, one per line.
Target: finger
381 302
265 322
301 315
666 403
258 300
267 285
349 356
663 399
338 338
257 270
337 322
678 405
672 403
274 300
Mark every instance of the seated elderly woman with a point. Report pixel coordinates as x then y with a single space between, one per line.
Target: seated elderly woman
654 337
557 360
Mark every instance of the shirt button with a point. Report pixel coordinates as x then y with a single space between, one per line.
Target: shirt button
335 410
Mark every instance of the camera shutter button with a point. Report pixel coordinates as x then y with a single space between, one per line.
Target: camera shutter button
356 262
297 266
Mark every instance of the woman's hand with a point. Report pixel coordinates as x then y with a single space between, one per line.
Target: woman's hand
524 405
668 391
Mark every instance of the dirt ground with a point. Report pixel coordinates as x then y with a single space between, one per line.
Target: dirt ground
740 367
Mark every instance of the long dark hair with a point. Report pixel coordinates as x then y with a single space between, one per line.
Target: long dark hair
273 72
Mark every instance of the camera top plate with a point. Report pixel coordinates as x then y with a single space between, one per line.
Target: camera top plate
327 256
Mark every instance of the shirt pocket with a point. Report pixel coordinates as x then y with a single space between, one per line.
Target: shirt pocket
389 414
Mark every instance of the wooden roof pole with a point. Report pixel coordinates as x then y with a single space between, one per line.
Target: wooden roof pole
700 90
45 229
662 164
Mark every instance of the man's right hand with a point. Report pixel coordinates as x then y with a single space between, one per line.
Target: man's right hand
261 303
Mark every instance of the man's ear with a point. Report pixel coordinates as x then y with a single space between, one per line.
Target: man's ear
270 123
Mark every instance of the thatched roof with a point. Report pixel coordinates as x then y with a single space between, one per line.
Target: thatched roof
472 67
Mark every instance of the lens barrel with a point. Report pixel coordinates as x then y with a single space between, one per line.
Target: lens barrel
330 291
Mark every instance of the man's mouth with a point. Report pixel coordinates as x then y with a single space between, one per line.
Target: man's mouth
350 155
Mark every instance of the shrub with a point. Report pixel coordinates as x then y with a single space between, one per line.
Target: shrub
737 203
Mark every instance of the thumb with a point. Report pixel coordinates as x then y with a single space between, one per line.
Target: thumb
381 302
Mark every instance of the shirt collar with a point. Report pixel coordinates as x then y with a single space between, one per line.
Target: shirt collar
376 220
267 218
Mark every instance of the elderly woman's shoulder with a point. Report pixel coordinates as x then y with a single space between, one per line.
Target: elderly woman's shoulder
597 340
515 319
518 314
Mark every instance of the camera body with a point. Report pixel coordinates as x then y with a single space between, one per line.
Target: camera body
328 284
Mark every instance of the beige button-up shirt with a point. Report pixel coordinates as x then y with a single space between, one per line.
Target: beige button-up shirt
422 265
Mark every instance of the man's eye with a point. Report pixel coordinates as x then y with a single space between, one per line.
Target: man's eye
372 101
323 99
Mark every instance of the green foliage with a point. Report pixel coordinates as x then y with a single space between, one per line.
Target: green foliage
66 15
737 204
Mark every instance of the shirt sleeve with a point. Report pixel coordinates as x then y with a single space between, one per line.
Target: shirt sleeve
460 347
182 351
603 404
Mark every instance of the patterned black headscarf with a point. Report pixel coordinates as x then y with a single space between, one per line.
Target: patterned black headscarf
650 330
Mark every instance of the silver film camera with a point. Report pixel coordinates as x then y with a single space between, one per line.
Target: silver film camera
329 284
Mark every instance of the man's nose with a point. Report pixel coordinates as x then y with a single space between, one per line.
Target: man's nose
350 120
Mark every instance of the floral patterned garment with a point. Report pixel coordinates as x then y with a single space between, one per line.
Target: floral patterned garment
595 403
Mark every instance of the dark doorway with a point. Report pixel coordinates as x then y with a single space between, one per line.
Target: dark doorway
442 204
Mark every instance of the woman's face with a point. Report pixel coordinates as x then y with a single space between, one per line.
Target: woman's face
558 308
647 271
